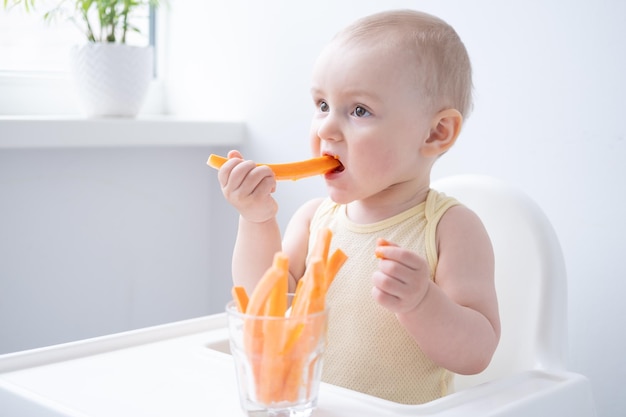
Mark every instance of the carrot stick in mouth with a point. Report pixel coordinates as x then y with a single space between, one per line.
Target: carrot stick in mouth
290 170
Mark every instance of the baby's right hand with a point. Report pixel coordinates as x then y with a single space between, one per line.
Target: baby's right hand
248 188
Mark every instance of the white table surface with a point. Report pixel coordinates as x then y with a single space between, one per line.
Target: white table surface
181 369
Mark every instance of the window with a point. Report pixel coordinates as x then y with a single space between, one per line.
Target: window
34 56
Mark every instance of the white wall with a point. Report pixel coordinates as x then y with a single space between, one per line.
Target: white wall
103 240
549 118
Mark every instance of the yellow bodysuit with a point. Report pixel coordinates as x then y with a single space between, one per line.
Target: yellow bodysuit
368 350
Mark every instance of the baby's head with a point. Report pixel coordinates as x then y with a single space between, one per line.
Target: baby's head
391 92
434 54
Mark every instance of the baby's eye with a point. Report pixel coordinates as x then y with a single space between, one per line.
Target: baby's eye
360 112
323 106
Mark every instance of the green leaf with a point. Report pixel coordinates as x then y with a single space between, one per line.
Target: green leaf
111 18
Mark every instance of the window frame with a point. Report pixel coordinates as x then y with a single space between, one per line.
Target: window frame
36 93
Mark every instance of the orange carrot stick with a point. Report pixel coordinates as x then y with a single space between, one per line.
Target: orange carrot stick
321 247
313 332
305 292
297 293
317 290
258 298
291 170
333 265
280 352
292 334
270 385
297 356
381 242
254 332
318 275
308 337
241 298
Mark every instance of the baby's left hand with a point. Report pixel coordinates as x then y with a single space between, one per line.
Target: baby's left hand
402 278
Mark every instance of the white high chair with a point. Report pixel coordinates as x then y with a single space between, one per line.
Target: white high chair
185 368
527 375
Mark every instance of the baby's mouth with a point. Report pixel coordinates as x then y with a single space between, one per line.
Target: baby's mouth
339 168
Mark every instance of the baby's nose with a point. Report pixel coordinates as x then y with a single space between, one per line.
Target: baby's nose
329 128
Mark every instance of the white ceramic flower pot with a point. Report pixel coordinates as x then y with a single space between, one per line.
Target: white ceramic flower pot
111 79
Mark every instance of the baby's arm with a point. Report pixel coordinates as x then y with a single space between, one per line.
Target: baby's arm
249 189
454 319
296 239
295 244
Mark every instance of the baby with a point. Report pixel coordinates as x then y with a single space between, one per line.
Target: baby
415 302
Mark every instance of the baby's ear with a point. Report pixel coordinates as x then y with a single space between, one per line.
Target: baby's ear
445 128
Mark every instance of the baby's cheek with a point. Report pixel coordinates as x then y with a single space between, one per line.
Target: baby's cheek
314 141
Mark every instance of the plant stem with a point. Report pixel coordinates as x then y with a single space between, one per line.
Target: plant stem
125 19
90 35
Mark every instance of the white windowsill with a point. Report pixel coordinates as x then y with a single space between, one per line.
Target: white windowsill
75 131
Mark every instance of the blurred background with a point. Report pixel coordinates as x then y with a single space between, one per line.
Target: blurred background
95 241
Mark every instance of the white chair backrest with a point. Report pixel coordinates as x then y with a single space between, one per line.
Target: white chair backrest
529 273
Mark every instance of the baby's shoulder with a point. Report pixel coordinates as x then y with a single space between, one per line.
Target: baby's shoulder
460 223
305 213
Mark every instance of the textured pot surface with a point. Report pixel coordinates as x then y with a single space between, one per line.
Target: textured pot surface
112 79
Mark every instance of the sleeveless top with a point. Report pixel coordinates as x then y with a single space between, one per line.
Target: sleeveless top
368 350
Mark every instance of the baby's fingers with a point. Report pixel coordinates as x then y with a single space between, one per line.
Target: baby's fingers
224 172
387 284
230 179
234 154
246 179
381 252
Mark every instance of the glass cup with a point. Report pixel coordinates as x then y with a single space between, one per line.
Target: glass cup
278 361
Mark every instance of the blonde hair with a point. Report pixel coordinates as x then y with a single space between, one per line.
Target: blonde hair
442 66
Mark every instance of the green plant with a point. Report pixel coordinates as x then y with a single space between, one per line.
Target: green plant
99 20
